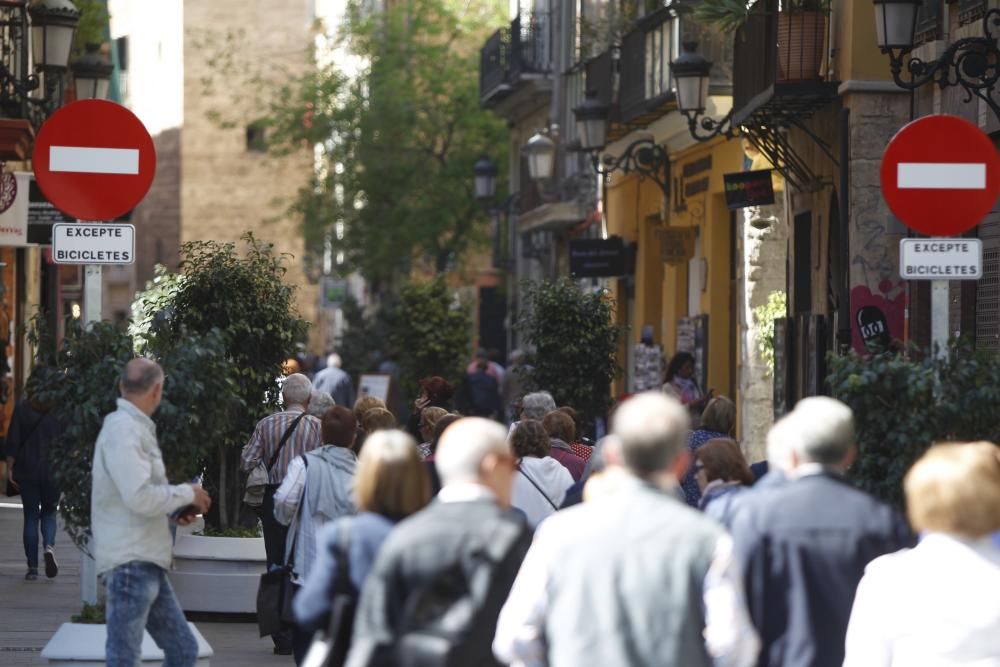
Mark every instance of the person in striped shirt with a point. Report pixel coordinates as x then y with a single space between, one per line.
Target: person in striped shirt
304 434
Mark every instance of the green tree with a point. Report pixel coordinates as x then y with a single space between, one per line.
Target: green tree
241 296
575 342
432 332
398 141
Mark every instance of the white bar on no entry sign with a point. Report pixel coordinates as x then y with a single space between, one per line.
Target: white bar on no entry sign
941 175
94 160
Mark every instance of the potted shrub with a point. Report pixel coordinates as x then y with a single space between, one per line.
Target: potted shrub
801 31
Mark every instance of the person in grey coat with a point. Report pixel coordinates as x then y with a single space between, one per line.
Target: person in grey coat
633 577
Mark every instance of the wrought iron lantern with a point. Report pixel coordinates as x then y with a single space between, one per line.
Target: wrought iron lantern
541 153
692 72
484 178
92 74
592 122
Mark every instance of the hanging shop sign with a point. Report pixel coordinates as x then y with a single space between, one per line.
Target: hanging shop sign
597 258
749 188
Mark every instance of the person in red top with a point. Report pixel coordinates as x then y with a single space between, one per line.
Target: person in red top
584 451
560 428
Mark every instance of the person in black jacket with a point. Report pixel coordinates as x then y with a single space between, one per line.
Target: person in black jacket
804 540
33 428
443 574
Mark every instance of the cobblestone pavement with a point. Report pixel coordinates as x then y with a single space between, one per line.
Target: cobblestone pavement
31 611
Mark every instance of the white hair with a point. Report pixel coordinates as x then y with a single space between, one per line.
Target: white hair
333 360
320 402
464 445
537 404
781 442
826 430
295 390
652 429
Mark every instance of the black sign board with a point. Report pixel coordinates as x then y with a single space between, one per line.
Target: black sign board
874 328
749 188
41 216
783 398
597 258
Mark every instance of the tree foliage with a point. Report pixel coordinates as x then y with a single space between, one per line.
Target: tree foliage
398 140
242 297
903 405
431 332
84 387
575 342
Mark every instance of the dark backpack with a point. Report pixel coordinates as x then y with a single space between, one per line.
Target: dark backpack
440 620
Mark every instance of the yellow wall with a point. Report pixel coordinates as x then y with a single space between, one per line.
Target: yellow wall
856 54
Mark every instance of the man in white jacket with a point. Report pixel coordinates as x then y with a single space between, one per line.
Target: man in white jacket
131 504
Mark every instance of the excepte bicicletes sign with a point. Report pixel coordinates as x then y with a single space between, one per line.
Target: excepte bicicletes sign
93 244
941 259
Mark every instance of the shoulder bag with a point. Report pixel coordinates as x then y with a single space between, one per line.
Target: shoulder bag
258 478
329 648
537 488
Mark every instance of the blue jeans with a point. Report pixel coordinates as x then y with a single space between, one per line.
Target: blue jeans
140 597
39 500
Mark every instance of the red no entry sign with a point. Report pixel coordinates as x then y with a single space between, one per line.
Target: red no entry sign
940 175
94 160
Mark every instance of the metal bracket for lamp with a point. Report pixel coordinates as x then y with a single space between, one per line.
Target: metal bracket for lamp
973 63
643 156
711 128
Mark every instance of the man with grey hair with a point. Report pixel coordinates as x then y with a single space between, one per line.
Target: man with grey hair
634 576
320 402
335 381
453 561
131 502
536 405
276 441
803 543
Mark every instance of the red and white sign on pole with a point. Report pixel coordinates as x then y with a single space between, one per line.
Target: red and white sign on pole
940 176
94 160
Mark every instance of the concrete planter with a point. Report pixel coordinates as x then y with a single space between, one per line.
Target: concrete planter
79 645
218 574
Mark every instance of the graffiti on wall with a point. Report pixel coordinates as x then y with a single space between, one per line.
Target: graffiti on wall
878 299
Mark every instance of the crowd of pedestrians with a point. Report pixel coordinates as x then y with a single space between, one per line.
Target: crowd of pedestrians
467 540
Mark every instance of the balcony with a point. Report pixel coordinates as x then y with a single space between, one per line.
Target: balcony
779 81
646 89
516 57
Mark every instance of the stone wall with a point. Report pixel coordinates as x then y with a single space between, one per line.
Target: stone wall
764 235
227 188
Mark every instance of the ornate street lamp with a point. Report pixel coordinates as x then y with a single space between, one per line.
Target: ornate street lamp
692 73
541 153
643 156
592 122
46 42
92 74
484 178
973 63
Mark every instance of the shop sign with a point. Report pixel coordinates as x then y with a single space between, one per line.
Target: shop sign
749 188
676 244
597 258
14 208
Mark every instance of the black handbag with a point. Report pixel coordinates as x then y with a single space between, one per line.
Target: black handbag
276 590
329 648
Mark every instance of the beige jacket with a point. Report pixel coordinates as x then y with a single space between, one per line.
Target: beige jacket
131 499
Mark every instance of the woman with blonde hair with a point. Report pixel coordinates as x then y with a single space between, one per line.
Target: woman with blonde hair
938 603
390 484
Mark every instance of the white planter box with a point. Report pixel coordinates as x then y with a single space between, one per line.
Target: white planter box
218 574
80 645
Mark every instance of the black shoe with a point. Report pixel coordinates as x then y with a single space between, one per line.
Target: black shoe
32 575
51 566
283 650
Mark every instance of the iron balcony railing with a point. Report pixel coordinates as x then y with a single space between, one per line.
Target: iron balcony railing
523 48
646 53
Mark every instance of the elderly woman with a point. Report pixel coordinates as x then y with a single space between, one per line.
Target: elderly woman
319 403
391 484
364 403
938 603
536 405
434 392
718 421
721 472
429 418
541 482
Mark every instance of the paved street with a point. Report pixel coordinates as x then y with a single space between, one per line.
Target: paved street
30 612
